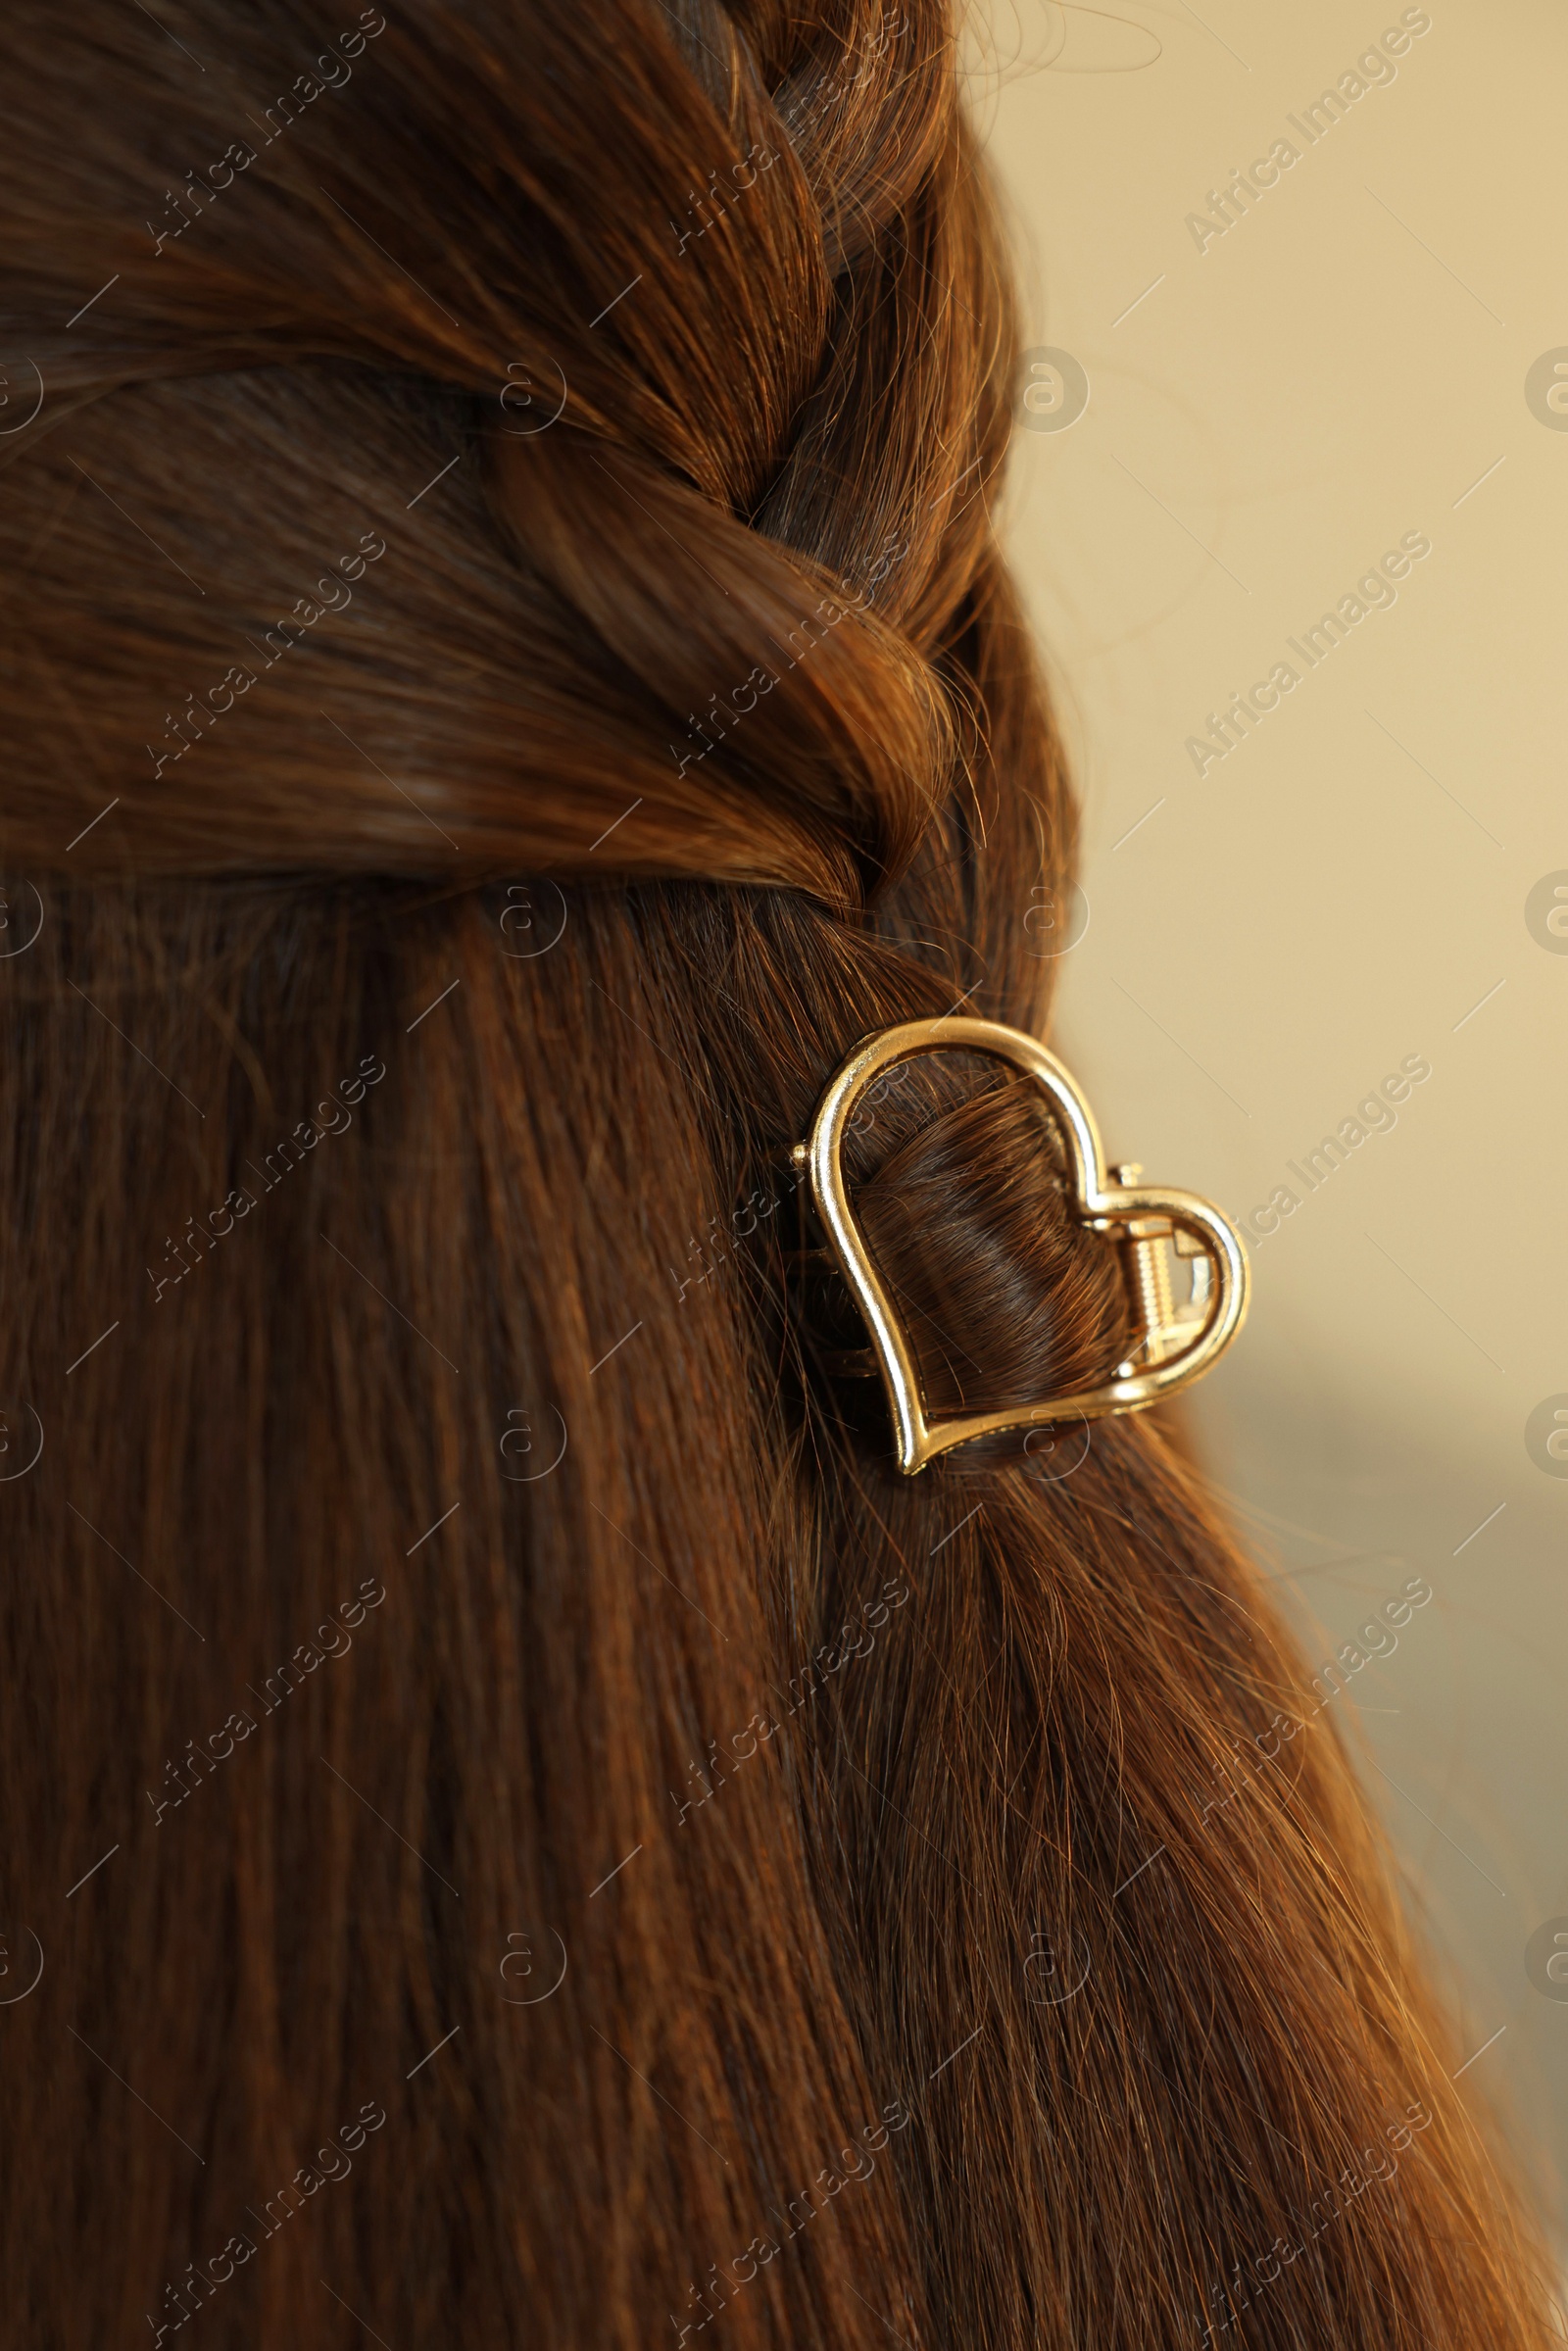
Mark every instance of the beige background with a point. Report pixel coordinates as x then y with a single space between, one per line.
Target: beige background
1340 368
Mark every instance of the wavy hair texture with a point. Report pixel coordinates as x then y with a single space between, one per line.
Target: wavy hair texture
533 1832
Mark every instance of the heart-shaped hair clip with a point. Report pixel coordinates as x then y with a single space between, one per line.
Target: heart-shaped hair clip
1167 1350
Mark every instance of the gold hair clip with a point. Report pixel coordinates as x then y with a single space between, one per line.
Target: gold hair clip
1168 1349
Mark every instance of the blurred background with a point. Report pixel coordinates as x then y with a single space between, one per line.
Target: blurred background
1241 395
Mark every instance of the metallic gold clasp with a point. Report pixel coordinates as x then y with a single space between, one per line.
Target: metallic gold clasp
1171 1348
1159 1330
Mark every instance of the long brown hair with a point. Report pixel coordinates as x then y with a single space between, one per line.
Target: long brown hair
530 1829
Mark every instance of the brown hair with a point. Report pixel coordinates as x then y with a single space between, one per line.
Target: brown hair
532 1830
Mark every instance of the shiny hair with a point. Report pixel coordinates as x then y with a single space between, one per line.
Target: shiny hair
533 1831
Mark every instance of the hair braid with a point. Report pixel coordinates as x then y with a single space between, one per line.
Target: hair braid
753 1889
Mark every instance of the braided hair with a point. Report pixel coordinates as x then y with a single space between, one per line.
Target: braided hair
507 676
